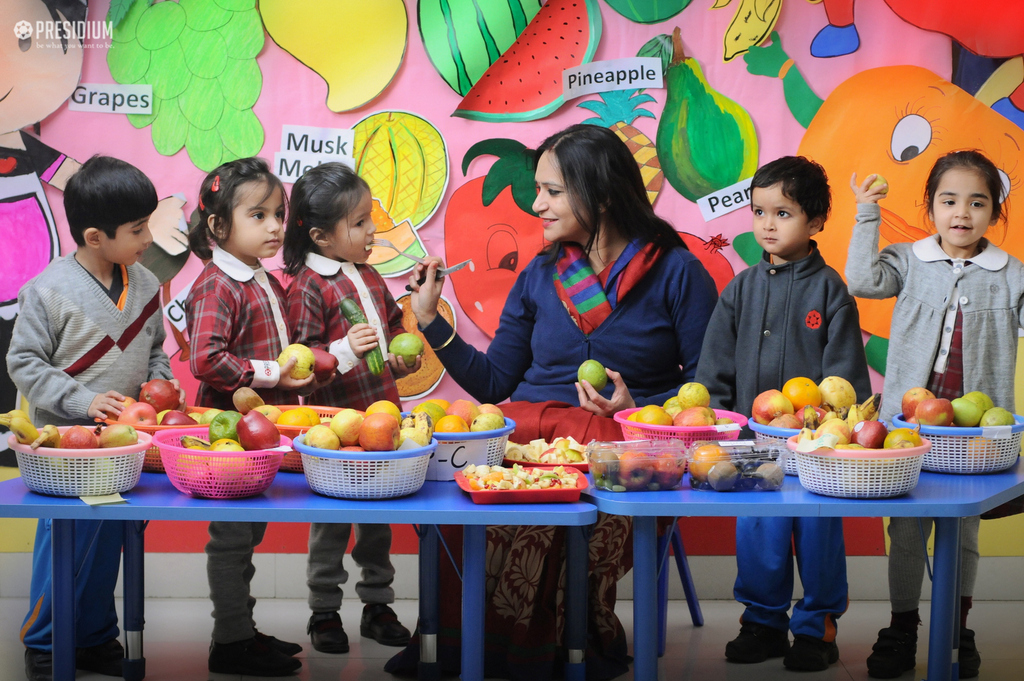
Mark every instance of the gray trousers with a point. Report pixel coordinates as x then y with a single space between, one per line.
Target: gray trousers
229 570
325 570
907 559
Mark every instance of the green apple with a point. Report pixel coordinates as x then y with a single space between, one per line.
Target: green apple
208 416
486 422
966 413
593 372
878 183
981 399
997 416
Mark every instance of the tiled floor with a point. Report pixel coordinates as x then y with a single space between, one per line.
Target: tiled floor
177 636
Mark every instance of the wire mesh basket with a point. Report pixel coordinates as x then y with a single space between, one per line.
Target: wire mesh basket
631 430
969 450
364 475
217 474
153 463
457 450
860 473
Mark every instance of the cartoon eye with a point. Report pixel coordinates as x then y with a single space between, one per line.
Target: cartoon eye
1005 179
910 137
502 250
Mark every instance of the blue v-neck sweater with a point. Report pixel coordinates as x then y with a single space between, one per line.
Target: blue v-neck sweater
653 337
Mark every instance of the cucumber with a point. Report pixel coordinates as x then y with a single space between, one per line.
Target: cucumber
354 314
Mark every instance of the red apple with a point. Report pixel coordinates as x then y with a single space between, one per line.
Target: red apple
869 434
139 413
912 398
78 437
668 470
161 394
934 412
177 418
769 405
635 470
256 431
379 432
324 366
695 416
790 421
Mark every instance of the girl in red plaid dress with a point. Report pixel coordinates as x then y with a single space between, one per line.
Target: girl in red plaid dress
236 323
330 230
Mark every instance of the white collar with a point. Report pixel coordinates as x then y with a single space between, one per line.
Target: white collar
232 266
325 267
991 258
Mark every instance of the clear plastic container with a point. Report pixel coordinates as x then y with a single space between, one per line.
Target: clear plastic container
639 465
737 465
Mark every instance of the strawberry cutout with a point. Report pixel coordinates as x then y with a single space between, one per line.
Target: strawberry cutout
7 165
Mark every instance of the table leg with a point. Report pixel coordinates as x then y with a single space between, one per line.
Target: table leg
941 655
576 580
62 556
645 596
134 578
428 669
474 595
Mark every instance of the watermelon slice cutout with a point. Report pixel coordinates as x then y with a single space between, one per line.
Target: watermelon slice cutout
525 83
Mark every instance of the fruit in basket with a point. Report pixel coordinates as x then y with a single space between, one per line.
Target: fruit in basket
869 434
304 360
78 437
142 413
635 470
802 391
837 393
653 415
408 346
177 418
672 407
226 469
270 411
996 416
488 408
295 417
24 432
769 405
486 422
912 398
245 400
594 373
160 394
452 423
118 435
966 413
723 476
207 416
432 409
225 444
934 412
668 469
865 411
379 433
322 437
703 458
324 365
901 438
787 421
980 399
418 427
695 417
49 436
724 421
837 427
464 408
225 426
693 395
384 407
346 424
255 431
191 442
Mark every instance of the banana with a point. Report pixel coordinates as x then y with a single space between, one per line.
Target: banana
189 442
48 437
853 417
751 25
23 430
829 415
810 417
5 419
418 426
869 407
842 412
805 434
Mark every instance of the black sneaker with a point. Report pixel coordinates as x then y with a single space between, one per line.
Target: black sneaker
757 643
810 654
326 633
38 665
251 658
106 658
893 654
380 623
970 660
289 649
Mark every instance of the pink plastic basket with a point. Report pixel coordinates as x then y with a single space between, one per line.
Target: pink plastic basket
631 430
153 464
217 475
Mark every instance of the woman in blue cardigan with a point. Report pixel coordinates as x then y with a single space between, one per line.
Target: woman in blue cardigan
615 284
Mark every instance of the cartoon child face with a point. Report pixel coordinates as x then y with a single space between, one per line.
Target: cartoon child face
36 75
897 121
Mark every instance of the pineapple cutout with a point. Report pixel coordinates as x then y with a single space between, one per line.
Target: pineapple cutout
616 111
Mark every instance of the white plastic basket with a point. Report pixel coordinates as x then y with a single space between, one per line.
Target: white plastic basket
364 475
81 472
969 450
860 473
776 436
455 451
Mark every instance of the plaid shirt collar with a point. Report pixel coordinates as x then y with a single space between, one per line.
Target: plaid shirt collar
232 266
991 257
325 267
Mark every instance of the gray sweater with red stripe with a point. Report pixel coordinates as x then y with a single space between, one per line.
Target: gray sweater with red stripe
64 314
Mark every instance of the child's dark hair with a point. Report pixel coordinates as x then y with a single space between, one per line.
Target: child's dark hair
970 159
602 177
802 180
218 197
106 193
324 195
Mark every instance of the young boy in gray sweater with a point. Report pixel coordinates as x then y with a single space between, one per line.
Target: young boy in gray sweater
89 333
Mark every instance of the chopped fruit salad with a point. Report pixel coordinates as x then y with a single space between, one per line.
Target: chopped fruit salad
517 477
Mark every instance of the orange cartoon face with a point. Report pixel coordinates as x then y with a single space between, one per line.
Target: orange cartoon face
897 121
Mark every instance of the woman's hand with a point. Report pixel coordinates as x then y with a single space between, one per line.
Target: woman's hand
286 382
592 401
865 193
399 368
362 338
425 297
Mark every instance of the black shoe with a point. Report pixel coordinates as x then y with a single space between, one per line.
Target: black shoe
893 654
380 623
326 633
106 658
38 665
757 643
810 654
289 649
251 658
970 660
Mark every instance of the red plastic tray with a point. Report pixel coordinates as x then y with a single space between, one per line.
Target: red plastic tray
582 467
525 496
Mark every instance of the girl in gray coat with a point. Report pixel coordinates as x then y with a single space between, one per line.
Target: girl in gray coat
951 288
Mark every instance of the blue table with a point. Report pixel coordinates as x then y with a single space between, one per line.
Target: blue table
947 498
289 499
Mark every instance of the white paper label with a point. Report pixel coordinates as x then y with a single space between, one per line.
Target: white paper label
290 166
175 309
112 98
632 73
717 204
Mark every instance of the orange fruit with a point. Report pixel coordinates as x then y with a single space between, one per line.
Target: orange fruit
453 423
311 415
443 403
431 409
802 391
704 457
384 407
653 415
294 417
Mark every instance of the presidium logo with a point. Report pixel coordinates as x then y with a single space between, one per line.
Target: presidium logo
57 32
23 30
